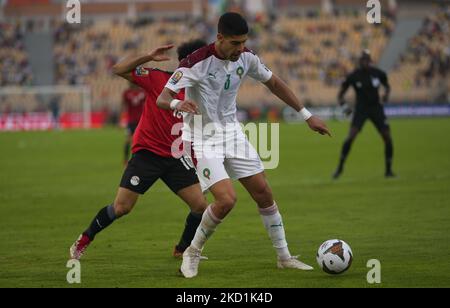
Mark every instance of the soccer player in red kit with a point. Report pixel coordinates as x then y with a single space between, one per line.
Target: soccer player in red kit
133 105
152 157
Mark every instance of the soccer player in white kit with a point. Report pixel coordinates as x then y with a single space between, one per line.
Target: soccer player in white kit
211 77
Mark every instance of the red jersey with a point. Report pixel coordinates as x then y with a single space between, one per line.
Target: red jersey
134 100
154 132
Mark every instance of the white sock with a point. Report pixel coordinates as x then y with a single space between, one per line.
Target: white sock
274 225
206 228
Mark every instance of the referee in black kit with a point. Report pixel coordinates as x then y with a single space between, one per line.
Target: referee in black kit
366 80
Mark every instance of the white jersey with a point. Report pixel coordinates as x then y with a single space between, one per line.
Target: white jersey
213 83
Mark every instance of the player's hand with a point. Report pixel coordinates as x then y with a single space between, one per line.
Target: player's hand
188 106
159 54
318 125
385 99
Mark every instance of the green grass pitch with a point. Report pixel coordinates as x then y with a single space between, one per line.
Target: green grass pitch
53 183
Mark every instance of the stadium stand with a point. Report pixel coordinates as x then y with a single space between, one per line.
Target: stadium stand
310 48
86 55
422 71
317 51
14 66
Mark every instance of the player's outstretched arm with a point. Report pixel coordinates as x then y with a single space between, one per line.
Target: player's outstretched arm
166 100
125 67
278 87
282 91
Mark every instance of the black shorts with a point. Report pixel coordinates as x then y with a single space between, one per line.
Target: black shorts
131 128
374 113
145 168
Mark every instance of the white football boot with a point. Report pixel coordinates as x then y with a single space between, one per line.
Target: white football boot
191 260
293 262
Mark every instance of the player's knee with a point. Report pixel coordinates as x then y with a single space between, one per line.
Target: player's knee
349 140
263 194
226 202
122 208
386 137
199 206
352 135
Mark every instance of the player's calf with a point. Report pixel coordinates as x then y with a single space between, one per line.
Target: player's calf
123 204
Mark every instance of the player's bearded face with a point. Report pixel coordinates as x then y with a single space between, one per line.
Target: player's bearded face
231 47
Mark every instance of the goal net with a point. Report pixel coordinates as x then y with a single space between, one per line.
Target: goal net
45 107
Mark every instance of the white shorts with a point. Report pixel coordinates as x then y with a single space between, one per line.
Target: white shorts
236 160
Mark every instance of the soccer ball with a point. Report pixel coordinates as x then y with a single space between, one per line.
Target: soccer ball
334 256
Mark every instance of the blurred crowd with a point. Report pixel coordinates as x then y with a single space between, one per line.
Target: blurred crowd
312 50
309 51
431 44
14 66
92 49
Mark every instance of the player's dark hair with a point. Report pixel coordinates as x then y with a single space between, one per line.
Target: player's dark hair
187 48
231 24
